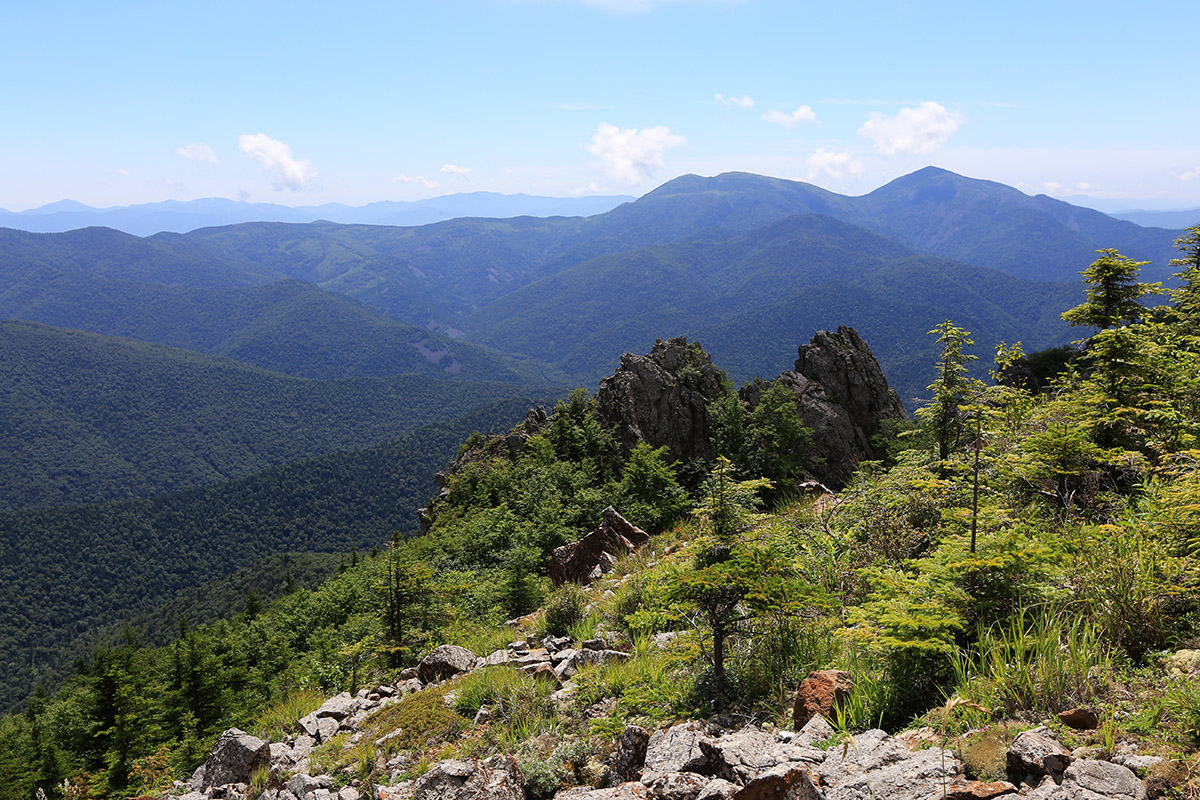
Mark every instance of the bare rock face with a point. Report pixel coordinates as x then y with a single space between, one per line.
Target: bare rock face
661 399
843 397
819 695
595 554
234 758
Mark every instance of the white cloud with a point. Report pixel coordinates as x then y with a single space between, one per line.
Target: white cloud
428 184
803 114
1190 175
286 172
631 156
122 172
457 171
745 101
200 153
913 130
827 163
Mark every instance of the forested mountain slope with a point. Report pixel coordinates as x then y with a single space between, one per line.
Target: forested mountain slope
67 571
90 418
288 326
751 297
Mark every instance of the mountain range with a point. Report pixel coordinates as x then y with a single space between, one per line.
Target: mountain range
180 216
150 381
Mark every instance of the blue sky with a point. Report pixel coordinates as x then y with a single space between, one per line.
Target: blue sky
303 103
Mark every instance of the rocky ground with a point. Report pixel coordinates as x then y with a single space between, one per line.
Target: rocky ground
692 760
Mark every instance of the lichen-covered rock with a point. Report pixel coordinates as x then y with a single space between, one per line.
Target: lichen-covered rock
744 755
338 707
676 749
1098 780
446 661
630 755
1038 752
626 791
596 553
234 758
495 778
678 786
843 397
976 790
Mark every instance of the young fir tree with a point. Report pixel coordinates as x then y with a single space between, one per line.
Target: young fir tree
944 417
1187 297
1114 294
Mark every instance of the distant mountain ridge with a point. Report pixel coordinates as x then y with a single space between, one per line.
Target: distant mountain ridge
181 216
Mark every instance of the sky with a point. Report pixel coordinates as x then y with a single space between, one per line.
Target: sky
304 103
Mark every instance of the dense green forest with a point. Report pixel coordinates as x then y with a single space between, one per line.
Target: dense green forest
67 571
289 327
1020 550
90 418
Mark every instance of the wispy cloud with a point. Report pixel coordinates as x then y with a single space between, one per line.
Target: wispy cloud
831 164
200 153
1190 175
122 172
630 156
428 184
745 101
790 119
456 171
286 171
922 129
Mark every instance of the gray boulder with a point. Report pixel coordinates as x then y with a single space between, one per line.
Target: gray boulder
678 786
444 662
626 791
676 749
338 707
1096 780
742 756
234 758
1037 752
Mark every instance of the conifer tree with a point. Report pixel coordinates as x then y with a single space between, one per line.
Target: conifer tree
1187 297
943 416
1114 294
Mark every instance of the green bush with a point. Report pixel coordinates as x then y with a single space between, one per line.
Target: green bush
565 608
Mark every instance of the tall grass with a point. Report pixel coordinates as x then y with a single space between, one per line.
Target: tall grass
279 720
1037 662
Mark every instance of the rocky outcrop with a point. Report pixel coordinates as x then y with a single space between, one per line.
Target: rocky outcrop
843 397
595 554
446 662
662 398
1038 752
234 758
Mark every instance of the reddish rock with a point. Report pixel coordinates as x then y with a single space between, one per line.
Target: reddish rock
596 553
786 782
1081 719
819 694
977 790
